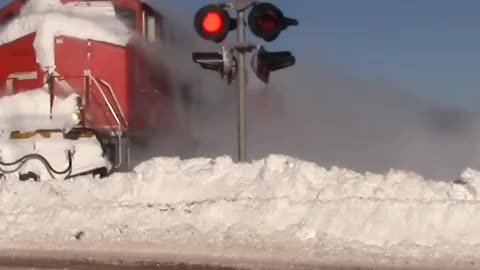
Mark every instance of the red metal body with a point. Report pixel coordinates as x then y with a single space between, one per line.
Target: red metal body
105 75
20 56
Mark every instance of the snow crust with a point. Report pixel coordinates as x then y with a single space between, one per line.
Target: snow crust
30 111
49 19
276 204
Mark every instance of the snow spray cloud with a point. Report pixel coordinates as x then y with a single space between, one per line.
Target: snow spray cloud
367 125
319 114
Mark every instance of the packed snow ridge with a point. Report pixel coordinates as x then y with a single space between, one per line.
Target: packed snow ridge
278 202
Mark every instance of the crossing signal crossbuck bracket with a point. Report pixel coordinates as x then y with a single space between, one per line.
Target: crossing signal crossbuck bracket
266 21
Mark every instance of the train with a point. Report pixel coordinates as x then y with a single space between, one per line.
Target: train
121 93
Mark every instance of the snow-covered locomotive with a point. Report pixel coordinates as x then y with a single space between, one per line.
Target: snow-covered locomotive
84 55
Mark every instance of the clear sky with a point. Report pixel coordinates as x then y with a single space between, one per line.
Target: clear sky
430 47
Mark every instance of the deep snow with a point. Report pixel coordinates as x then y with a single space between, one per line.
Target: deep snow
278 205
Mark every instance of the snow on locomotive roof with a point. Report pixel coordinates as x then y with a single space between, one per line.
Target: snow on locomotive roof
86 8
50 18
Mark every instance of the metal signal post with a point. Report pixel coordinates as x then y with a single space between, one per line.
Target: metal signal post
242 87
266 21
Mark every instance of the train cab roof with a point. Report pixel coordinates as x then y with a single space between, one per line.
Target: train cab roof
142 16
123 8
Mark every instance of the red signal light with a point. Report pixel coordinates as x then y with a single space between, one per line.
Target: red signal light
213 22
267 21
268 25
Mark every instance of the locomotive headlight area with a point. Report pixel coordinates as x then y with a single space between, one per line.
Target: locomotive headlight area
59 150
50 157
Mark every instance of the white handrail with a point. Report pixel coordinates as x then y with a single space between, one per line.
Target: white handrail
119 133
112 93
108 103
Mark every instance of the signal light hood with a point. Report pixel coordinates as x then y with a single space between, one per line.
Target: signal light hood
267 21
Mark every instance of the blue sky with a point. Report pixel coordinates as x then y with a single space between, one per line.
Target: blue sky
429 47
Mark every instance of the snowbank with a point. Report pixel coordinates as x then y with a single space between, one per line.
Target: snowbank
276 204
49 19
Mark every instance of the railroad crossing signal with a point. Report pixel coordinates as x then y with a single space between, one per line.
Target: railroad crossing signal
264 62
266 21
223 62
213 23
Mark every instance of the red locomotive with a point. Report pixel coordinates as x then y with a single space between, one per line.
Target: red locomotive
120 93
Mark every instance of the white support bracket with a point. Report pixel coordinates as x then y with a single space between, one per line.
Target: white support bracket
21 76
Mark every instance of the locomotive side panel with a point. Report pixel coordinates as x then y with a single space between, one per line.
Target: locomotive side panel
71 61
19 70
136 85
151 102
76 60
109 64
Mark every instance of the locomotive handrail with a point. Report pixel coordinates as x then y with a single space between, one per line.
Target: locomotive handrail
112 93
108 102
119 133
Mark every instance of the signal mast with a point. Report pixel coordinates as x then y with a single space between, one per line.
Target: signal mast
267 22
